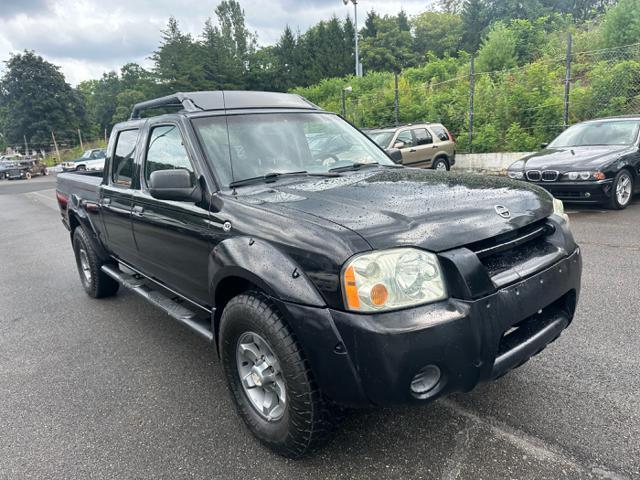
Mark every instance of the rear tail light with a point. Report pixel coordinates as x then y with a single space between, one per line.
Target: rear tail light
63 199
451 137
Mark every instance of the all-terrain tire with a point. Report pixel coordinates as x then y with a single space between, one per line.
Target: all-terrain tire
95 282
308 416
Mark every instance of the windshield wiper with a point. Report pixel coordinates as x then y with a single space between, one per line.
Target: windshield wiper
273 176
354 166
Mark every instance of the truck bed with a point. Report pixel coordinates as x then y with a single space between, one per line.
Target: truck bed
84 185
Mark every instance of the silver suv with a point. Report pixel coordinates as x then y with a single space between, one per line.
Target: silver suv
424 145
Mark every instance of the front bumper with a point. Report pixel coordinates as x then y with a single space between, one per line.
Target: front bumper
361 360
579 192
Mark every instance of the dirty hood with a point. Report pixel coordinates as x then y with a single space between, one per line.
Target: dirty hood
389 207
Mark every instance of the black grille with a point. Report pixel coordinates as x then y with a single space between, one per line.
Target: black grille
501 253
534 175
550 175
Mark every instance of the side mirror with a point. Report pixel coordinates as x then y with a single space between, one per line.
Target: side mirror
399 145
394 154
174 185
544 145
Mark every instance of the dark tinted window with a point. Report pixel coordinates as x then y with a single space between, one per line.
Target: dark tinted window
406 138
166 152
422 136
440 132
122 165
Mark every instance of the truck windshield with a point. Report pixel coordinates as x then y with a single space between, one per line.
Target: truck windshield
618 132
248 146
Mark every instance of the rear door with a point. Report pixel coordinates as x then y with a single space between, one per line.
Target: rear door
424 147
443 145
172 237
116 194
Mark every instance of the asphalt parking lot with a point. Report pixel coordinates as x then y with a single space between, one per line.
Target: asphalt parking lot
116 389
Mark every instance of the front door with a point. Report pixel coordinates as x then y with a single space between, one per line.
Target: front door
116 195
424 146
172 237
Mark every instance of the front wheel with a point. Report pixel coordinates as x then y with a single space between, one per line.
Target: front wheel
621 190
440 164
95 282
270 382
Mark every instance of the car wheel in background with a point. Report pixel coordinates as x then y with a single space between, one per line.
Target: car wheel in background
81 168
27 175
440 164
95 282
271 384
621 190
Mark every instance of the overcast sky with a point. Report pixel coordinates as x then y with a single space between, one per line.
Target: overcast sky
89 37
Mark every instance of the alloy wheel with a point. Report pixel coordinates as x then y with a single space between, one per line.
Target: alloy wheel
261 376
623 189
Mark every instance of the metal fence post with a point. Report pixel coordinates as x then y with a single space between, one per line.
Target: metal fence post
567 82
472 86
396 104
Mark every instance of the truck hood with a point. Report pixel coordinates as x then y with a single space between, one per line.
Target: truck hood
436 211
574 158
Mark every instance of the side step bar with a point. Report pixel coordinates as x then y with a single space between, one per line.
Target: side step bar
172 308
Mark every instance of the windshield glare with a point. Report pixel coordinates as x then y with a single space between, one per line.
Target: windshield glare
623 132
249 146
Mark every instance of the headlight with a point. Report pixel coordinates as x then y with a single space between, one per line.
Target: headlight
391 279
518 175
573 176
558 209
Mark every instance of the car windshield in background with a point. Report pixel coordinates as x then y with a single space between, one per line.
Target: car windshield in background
249 146
622 132
381 138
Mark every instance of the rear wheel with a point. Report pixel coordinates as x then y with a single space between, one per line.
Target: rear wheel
440 164
269 379
27 175
81 168
95 282
621 190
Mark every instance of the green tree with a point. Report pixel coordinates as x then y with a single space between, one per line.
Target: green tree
498 51
177 62
390 49
475 18
621 24
35 99
437 32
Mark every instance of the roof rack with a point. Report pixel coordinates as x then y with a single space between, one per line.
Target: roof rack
176 100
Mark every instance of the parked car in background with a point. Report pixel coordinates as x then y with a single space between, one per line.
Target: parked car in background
5 166
91 160
425 145
26 169
592 162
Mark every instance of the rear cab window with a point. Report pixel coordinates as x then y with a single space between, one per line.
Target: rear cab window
122 165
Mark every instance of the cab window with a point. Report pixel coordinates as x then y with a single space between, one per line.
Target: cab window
166 151
123 158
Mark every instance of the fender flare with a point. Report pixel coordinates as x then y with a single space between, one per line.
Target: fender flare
78 215
264 265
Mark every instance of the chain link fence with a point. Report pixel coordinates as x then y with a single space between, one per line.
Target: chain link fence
507 110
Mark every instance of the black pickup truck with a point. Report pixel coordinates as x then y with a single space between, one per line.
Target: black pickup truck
325 278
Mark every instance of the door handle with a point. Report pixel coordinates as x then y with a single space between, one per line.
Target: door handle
413 150
435 146
138 210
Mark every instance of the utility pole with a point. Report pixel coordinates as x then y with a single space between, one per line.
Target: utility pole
345 90
355 15
396 104
472 87
567 81
26 146
80 137
55 144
